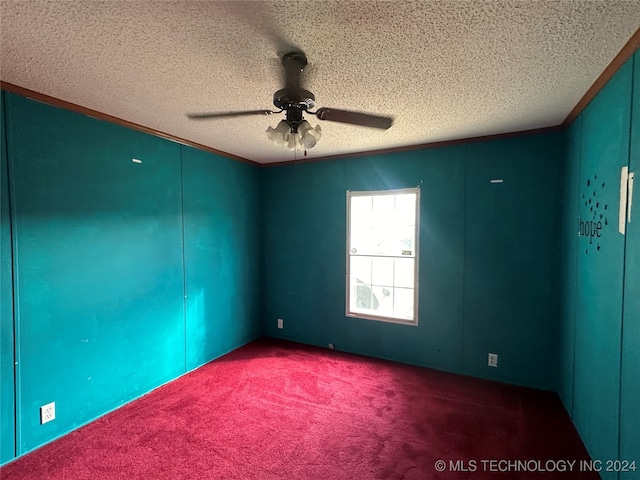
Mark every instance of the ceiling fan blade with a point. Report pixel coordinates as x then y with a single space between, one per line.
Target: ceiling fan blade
212 115
261 16
354 118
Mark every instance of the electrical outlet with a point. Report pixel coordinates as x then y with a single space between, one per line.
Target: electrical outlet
493 359
331 346
280 323
47 413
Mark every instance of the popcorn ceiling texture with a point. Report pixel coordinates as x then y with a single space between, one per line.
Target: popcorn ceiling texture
445 70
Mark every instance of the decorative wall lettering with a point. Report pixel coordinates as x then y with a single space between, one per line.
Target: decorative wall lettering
593 221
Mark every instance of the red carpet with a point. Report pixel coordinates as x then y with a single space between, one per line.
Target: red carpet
279 410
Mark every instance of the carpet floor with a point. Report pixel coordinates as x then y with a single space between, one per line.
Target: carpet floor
281 410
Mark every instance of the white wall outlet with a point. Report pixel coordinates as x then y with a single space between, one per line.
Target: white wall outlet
331 346
280 323
493 359
47 413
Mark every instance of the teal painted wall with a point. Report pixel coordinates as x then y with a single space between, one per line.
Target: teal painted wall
605 149
221 230
100 315
108 254
630 374
512 260
599 321
569 259
305 211
488 264
7 414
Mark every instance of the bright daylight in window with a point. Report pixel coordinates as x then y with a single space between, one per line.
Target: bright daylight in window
382 256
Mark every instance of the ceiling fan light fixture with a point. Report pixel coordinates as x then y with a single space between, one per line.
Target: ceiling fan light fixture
304 138
310 135
279 135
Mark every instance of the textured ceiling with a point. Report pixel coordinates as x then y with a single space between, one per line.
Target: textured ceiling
444 69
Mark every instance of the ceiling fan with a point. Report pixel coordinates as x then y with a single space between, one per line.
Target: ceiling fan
294 131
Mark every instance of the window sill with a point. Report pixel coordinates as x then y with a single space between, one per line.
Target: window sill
399 321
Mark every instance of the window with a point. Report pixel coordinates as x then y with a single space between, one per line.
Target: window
382 255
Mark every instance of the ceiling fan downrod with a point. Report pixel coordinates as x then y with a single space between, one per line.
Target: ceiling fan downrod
293 99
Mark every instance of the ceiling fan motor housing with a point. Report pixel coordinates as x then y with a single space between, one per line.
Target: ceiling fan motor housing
294 98
294 102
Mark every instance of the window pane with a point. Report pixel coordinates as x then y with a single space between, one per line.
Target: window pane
406 241
403 303
382 271
383 300
403 272
383 225
384 208
362 243
406 208
361 213
361 296
360 269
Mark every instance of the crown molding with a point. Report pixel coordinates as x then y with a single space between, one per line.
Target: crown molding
623 55
56 102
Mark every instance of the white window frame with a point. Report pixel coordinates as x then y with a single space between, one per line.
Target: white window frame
384 318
